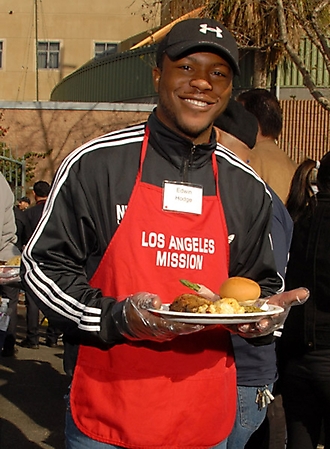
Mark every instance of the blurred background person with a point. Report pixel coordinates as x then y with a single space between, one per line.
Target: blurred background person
256 366
302 189
304 350
20 220
272 164
237 129
272 432
32 216
24 203
8 249
277 169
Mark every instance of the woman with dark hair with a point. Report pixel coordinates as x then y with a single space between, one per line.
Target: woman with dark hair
305 344
302 188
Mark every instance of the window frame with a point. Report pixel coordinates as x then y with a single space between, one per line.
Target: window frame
2 54
107 46
49 54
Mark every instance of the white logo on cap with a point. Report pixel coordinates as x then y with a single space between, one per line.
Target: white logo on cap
204 29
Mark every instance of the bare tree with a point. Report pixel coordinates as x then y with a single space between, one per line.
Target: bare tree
310 20
254 24
272 29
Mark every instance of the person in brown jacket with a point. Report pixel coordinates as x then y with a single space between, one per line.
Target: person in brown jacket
271 163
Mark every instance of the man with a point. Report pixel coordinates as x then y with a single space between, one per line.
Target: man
277 169
271 163
136 211
8 249
32 216
24 203
12 290
255 365
237 129
20 220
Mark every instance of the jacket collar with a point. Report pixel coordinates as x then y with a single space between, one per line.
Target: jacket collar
176 148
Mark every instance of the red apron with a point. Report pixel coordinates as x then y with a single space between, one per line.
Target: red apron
178 394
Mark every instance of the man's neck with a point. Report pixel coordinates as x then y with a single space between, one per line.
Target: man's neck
40 198
261 138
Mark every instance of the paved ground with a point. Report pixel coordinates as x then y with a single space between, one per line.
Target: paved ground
32 386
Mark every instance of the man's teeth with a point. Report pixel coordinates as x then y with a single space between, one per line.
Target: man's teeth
197 102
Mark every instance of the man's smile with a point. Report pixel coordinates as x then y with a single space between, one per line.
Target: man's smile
200 103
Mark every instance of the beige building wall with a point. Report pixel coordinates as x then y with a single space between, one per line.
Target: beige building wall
77 25
55 129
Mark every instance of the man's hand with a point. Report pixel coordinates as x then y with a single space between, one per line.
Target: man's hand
269 324
136 323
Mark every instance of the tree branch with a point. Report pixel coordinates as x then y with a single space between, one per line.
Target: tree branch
307 80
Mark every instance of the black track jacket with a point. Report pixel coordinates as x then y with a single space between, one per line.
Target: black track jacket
89 195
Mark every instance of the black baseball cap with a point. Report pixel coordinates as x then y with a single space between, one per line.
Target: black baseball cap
199 34
239 122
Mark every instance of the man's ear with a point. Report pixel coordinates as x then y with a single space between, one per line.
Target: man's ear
156 73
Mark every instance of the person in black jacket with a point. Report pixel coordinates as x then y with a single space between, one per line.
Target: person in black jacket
20 220
305 343
129 215
24 203
32 216
255 365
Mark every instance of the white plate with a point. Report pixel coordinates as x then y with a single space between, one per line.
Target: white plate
9 274
214 318
8 271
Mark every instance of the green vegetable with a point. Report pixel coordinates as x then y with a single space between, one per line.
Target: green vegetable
190 285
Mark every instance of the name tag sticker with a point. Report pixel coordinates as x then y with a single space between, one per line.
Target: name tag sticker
182 197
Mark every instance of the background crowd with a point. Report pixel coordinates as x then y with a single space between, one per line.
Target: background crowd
291 368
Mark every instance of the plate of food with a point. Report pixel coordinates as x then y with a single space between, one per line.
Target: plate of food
214 318
9 271
238 302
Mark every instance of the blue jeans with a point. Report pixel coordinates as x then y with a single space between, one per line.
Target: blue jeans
77 440
248 417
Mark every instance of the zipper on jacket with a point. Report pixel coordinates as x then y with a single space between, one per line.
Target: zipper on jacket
187 163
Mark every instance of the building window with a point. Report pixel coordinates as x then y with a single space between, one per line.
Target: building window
48 55
1 53
104 47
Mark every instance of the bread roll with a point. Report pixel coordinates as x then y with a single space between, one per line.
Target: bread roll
242 289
